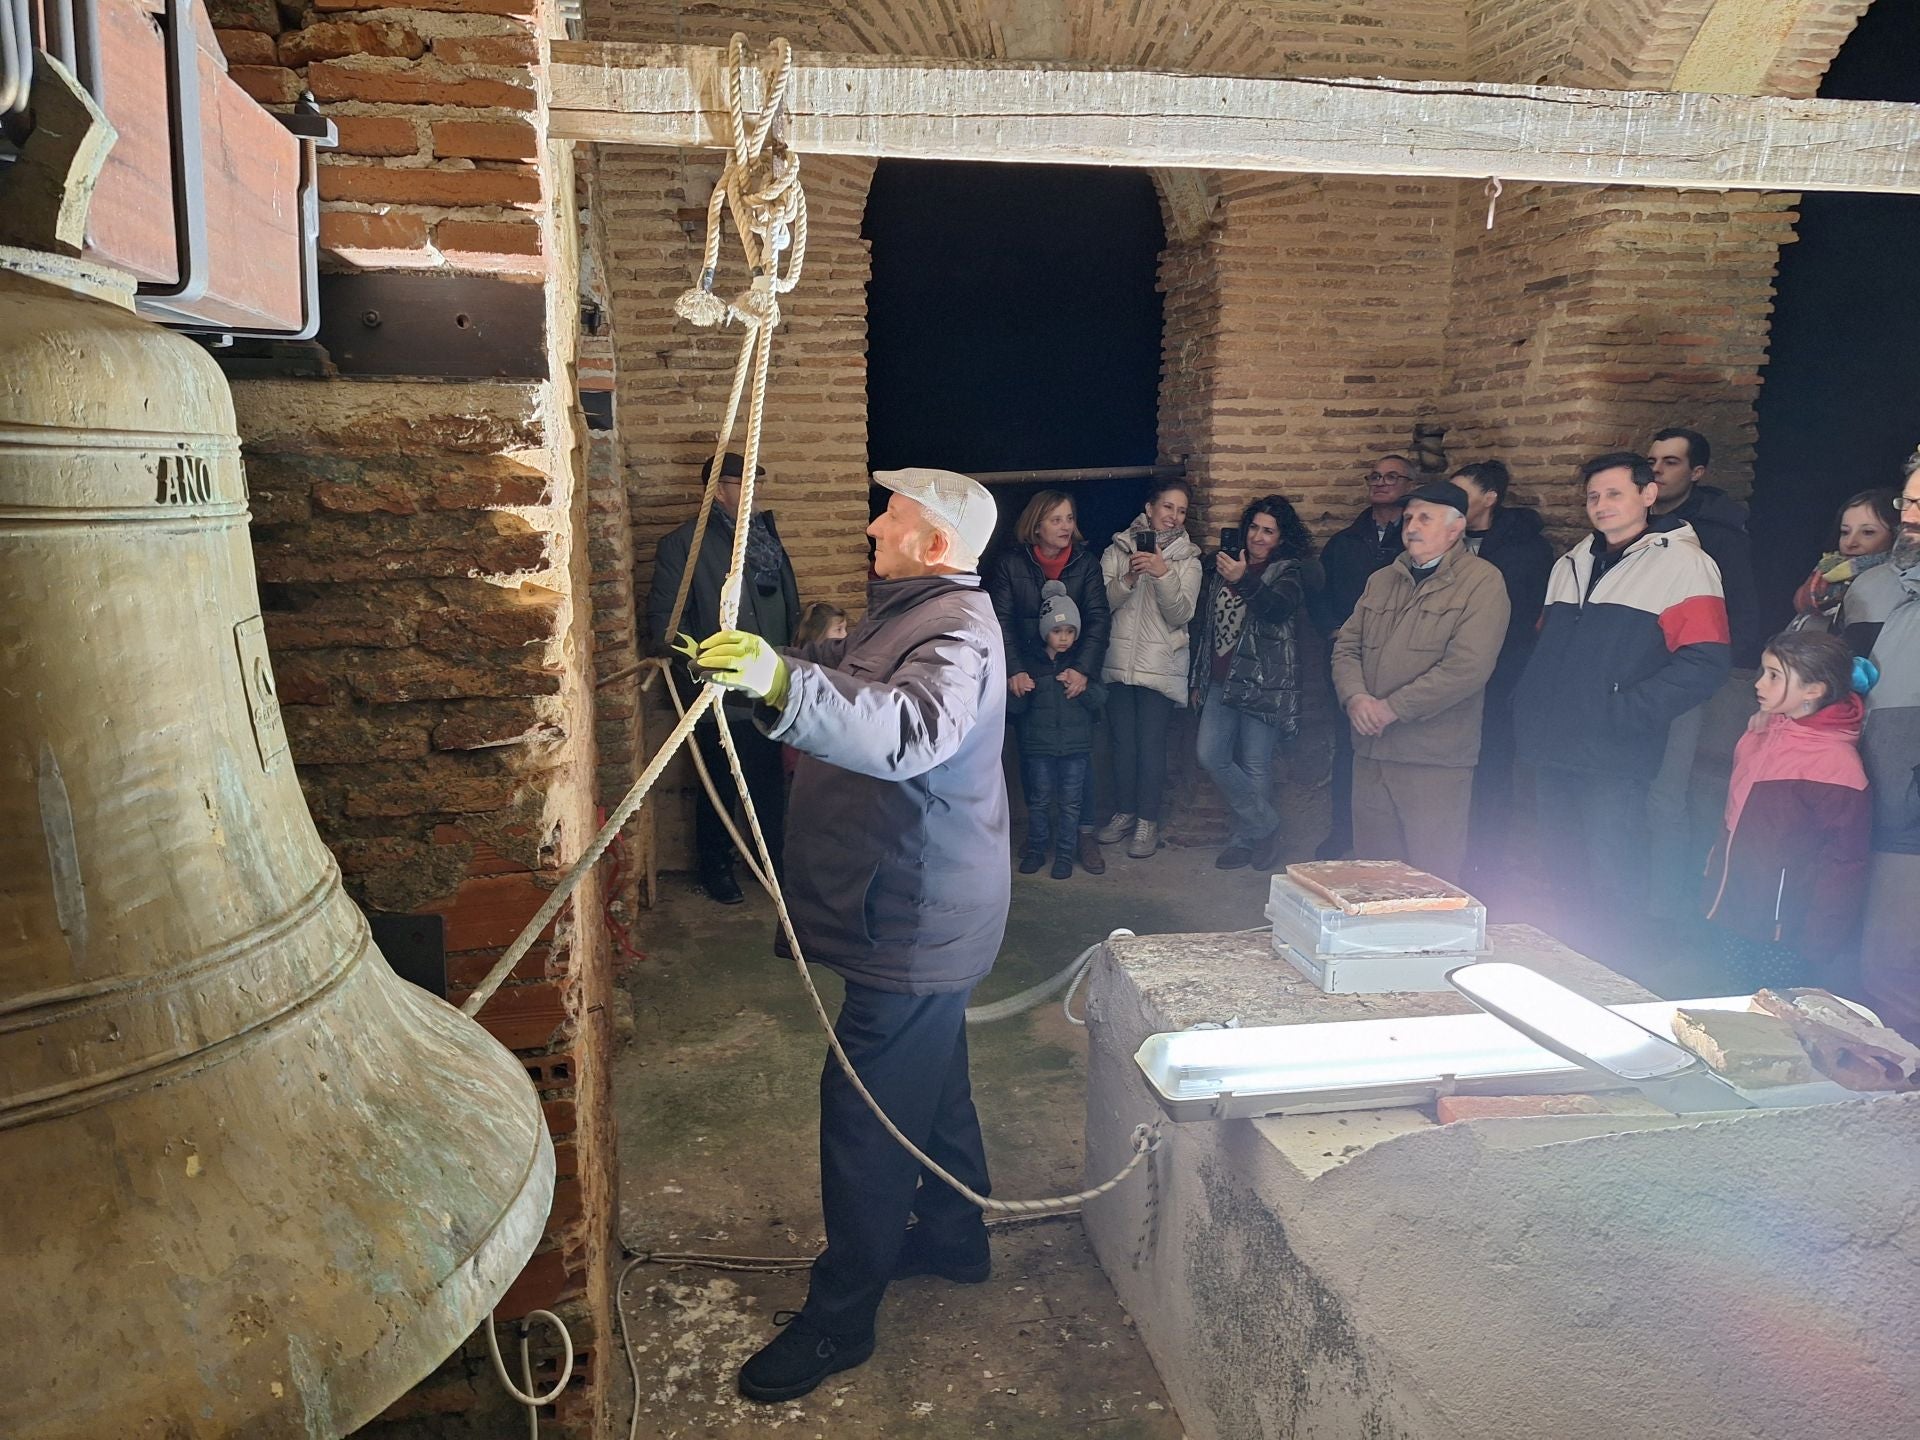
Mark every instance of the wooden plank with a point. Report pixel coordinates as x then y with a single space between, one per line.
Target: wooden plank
1052 114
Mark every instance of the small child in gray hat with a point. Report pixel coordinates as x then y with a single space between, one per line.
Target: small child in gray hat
1055 733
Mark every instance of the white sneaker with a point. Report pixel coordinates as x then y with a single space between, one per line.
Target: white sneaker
1115 830
1146 839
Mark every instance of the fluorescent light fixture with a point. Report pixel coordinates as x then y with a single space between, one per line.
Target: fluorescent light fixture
1570 1025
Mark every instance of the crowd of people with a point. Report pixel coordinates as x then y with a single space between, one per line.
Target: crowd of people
1456 646
1459 651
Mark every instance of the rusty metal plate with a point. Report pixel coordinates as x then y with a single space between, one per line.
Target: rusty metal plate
470 327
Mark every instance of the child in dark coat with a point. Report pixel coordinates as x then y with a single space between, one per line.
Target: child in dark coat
1785 885
1055 733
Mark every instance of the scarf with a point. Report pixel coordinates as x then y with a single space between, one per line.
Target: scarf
764 555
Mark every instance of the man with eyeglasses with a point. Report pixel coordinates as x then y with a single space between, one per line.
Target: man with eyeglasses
1370 543
1883 621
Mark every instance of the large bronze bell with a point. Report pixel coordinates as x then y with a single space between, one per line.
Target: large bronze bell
251 1183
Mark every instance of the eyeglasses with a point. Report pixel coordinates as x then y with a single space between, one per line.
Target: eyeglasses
1382 477
1906 502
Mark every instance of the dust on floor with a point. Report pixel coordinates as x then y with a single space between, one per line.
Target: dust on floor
717 1114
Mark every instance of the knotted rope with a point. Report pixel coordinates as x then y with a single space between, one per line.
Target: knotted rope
760 190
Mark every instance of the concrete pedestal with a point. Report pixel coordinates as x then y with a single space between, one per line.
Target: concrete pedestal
1619 1277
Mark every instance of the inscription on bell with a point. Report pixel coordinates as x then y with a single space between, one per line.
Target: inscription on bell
183 480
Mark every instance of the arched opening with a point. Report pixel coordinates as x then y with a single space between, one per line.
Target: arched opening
1013 324
1841 405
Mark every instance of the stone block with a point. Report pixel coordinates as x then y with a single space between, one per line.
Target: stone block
376 135
331 735
342 80
260 15
392 677
514 185
492 245
331 39
483 724
269 84
520 49
247 47
484 139
429 790
381 241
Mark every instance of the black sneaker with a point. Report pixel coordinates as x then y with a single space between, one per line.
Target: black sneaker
1062 868
968 1265
796 1360
1235 857
1032 861
1261 856
722 887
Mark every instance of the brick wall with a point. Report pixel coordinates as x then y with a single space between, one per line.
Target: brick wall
438 165
426 577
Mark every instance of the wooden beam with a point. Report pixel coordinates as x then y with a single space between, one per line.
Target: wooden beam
672 95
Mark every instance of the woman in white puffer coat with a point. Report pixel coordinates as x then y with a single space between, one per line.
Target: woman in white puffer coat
1152 586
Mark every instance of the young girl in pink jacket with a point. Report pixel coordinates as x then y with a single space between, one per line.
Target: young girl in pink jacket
1784 886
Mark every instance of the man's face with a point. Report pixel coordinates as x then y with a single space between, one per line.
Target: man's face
900 537
1389 482
1906 549
1480 502
1673 467
727 494
1618 507
1429 530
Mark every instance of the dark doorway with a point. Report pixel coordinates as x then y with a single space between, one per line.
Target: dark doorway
1840 408
1013 323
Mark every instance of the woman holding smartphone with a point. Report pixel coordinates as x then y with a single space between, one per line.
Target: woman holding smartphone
1152 574
1245 672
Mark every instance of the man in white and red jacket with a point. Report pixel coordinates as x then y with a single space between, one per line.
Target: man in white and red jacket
1634 634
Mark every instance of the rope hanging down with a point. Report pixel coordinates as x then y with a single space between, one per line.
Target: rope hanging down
760 190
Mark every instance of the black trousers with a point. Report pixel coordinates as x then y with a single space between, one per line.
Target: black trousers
1340 831
911 1052
1591 835
1138 717
766 782
1491 826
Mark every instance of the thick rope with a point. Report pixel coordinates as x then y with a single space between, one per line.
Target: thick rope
769 209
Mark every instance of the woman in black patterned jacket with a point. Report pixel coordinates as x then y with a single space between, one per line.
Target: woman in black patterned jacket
1246 676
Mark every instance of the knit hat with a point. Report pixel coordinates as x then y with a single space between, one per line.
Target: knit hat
1056 608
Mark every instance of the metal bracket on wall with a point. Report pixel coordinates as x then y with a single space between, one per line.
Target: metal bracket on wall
157 301
469 327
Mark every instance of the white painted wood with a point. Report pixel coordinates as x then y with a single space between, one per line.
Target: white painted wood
947 110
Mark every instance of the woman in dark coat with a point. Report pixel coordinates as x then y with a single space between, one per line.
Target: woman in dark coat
1246 669
1048 546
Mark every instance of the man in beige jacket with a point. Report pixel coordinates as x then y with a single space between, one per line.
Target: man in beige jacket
1410 668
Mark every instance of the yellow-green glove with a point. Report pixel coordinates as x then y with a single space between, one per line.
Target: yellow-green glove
740 661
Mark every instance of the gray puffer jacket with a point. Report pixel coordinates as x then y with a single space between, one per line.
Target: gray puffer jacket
896 853
1148 645
1883 609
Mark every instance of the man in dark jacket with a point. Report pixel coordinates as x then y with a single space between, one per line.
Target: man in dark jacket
1509 538
1635 633
1349 560
1680 458
769 606
897 878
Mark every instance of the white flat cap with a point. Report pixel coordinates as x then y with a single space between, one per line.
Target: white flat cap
961 501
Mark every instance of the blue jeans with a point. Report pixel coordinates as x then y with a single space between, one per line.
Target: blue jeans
1236 749
1053 780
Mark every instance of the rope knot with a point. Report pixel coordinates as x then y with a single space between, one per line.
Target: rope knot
701 307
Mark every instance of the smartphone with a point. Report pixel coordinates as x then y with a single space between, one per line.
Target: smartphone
1230 541
1145 542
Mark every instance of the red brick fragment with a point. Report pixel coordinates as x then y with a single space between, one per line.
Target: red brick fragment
332 39
519 185
484 140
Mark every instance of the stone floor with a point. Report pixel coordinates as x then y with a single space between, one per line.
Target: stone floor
717 1115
